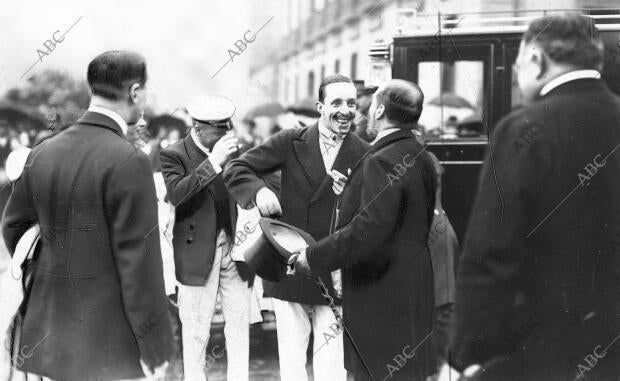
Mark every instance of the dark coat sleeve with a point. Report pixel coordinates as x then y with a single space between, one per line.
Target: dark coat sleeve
181 184
19 213
244 175
493 253
374 224
131 206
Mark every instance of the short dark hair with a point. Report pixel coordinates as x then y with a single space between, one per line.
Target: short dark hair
328 81
402 100
568 39
111 73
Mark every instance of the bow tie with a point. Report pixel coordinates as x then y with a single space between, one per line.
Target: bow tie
333 137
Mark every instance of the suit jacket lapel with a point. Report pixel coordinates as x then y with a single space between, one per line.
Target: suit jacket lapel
195 154
345 160
347 156
99 120
308 154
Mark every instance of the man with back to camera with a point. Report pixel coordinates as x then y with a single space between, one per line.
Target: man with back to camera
306 158
537 287
97 307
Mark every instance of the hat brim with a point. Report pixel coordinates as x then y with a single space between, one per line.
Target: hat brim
268 256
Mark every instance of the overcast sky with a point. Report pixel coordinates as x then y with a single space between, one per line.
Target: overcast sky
184 41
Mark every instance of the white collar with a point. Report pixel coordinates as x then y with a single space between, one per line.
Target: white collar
112 115
567 77
329 134
383 133
198 143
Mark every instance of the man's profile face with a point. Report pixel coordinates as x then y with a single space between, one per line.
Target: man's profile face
363 103
137 100
372 117
529 70
338 107
136 132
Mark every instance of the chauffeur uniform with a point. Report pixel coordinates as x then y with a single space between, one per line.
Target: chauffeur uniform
205 216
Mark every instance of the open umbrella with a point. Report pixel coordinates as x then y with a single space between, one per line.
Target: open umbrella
28 119
166 121
305 107
473 119
471 125
451 100
271 109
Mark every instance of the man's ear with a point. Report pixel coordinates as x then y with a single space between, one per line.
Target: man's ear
540 59
133 93
380 112
319 107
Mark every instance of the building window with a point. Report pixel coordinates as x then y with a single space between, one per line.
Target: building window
296 91
375 19
322 72
294 14
304 10
337 67
354 66
310 83
286 85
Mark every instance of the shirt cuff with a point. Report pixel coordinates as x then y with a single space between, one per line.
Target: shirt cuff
216 167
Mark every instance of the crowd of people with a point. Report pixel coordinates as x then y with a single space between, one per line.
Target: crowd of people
129 224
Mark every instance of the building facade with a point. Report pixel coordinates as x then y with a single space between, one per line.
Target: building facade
316 38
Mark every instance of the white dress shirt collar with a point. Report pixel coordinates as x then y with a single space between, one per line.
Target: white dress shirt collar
329 134
567 77
329 144
112 115
198 143
383 133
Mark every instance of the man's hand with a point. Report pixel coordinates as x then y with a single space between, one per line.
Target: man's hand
447 373
158 374
268 203
340 181
224 147
301 264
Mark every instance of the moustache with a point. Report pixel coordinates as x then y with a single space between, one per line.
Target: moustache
349 116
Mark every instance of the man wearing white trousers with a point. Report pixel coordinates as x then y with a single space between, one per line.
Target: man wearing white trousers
205 215
306 158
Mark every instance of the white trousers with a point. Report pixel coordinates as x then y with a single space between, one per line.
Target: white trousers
294 326
196 308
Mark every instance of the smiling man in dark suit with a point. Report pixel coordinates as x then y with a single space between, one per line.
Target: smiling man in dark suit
306 158
381 243
537 290
97 307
